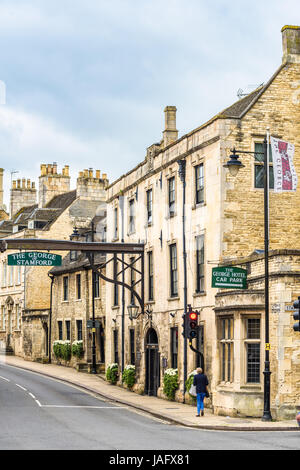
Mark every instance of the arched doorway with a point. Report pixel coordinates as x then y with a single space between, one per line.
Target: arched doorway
152 379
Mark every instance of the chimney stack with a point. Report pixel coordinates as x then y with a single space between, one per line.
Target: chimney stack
170 134
22 194
91 187
51 183
291 44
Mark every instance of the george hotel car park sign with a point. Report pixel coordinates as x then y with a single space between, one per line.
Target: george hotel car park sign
33 258
232 278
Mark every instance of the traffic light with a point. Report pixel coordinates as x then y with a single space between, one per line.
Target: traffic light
189 324
296 315
192 324
184 325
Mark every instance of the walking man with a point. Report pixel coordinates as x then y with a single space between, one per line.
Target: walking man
201 382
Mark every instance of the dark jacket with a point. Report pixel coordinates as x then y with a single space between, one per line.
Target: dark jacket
200 380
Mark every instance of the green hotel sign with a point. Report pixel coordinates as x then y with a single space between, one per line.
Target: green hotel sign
33 258
232 278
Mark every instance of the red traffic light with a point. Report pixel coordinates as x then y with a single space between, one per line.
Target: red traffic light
193 316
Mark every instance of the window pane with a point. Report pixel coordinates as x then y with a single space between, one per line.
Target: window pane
199 179
253 328
132 349
172 196
79 329
78 283
259 177
174 347
150 276
200 263
253 363
259 148
149 206
173 270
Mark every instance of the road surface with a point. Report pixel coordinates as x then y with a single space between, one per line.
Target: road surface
39 413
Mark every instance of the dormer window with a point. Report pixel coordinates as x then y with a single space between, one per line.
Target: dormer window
73 255
36 224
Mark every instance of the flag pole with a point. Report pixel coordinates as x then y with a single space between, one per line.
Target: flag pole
267 412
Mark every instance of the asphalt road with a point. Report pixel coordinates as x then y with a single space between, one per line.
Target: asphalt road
38 413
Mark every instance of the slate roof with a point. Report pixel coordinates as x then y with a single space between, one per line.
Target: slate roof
81 263
88 208
240 108
6 226
62 201
237 109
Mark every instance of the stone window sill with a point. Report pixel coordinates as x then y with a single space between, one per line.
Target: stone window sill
197 206
199 294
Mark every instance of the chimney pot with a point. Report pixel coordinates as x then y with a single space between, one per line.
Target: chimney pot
98 174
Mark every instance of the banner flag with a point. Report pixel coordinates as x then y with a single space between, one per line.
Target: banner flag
285 177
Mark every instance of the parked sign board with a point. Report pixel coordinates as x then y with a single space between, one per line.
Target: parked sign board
227 277
33 258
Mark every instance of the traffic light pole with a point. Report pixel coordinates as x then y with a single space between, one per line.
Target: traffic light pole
198 352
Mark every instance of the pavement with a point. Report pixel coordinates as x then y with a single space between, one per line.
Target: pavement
169 411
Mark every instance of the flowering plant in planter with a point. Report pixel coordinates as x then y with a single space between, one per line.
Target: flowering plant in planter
170 383
112 373
77 348
62 349
128 375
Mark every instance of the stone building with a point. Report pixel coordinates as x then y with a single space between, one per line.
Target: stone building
223 221
25 291
241 324
72 307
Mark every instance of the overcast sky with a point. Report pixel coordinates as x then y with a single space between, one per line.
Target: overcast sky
87 80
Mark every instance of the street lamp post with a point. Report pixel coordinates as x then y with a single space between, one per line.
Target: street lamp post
133 312
233 165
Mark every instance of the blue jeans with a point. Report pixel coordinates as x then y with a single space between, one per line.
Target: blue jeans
200 402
